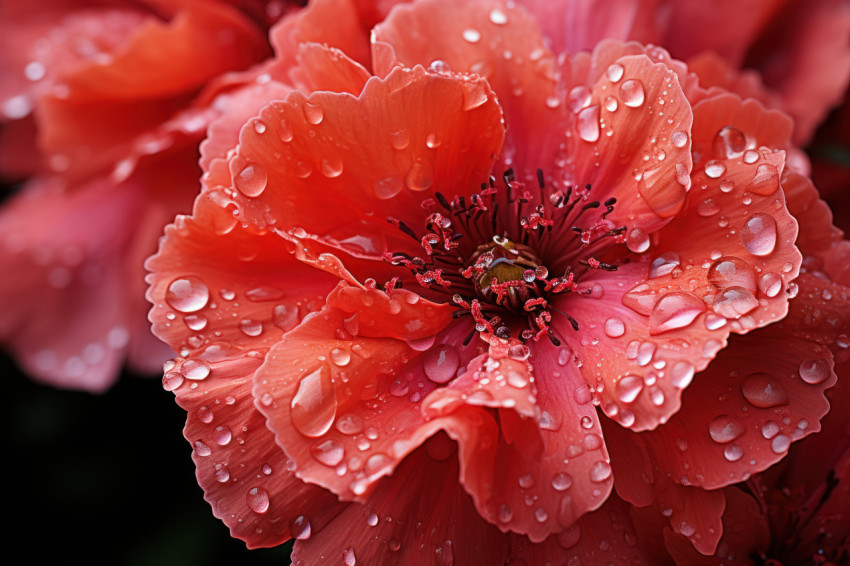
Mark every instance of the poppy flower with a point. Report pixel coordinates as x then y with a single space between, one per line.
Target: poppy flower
428 298
102 126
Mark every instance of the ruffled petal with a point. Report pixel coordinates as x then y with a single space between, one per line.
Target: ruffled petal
606 536
331 395
745 533
763 392
420 515
499 42
544 414
247 479
350 163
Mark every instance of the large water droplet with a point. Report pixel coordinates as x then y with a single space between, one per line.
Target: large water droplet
637 240
313 408
222 435
251 327
632 93
731 271
388 187
615 72
329 453
332 168
313 113
681 374
441 363
714 169
498 17
300 528
708 207
770 284
758 234
562 481
614 327
679 138
628 388
762 390
187 294
729 142
725 428
195 369
587 123
734 302
420 177
766 180
569 538
471 35
579 98
258 500
814 371
733 452
251 180
600 471
674 310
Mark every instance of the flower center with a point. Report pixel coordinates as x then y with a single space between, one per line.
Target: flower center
494 252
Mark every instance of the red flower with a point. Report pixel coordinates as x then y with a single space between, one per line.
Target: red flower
404 292
100 121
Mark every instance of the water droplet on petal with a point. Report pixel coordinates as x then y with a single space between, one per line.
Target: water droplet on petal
498 17
329 453
340 357
313 113
348 558
708 207
222 435
387 187
614 327
196 370
780 444
731 271
714 169
763 391
734 302
250 327
770 284
758 234
300 528
637 241
587 124
313 408
628 388
471 35
331 168
724 429
729 142
766 180
258 500
814 371
441 363
679 138
632 93
674 310
187 294
600 471
569 538
562 481
420 177
681 374
579 98
733 452
615 72
251 180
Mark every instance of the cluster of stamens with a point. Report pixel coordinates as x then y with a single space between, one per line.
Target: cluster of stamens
506 279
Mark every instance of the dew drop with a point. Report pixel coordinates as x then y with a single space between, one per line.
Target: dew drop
734 302
814 371
251 180
733 452
300 528
569 538
196 370
632 93
222 435
498 17
731 271
679 138
763 391
674 310
348 557
420 177
313 113
600 471
562 481
331 168
340 357
766 180
628 388
615 72
725 428
187 294
681 374
587 124
637 241
614 327
349 424
579 98
313 408
441 363
388 187
758 234
611 104
471 35
258 500
714 169
729 142
328 453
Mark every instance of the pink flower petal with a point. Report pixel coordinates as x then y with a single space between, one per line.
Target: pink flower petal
419 515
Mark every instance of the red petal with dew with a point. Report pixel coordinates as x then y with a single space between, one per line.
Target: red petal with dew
334 23
579 25
474 37
349 163
690 511
544 415
761 393
745 533
605 536
328 388
420 515
247 479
